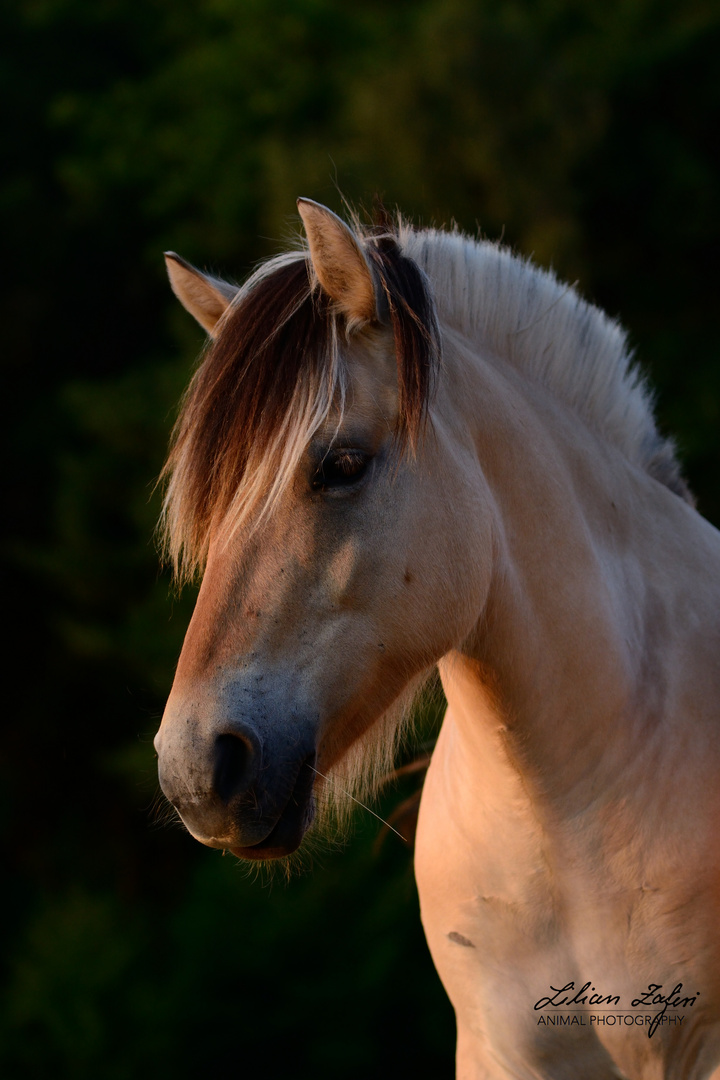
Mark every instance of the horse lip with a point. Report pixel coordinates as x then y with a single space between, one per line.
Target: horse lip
294 820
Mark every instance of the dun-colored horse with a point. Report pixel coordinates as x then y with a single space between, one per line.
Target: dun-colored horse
404 449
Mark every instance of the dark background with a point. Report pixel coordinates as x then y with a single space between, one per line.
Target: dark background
585 133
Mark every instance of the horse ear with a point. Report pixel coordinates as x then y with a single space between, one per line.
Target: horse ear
340 263
205 297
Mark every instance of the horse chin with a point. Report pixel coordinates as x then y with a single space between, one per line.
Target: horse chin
290 828
285 837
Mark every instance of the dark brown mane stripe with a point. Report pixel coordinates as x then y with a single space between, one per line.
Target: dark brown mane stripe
416 333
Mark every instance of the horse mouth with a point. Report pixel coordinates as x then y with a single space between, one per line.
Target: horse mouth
295 819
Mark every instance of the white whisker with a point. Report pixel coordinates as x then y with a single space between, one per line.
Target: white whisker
331 781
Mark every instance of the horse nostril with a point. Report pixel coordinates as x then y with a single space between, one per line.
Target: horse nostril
236 764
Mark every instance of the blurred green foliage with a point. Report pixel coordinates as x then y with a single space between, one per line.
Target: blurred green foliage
581 130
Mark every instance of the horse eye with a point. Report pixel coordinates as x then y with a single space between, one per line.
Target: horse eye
340 468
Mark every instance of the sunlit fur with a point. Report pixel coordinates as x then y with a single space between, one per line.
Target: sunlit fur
543 327
524 547
522 314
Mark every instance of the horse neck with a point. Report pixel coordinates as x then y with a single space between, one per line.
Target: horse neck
559 672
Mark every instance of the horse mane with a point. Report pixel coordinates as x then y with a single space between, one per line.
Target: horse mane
529 319
275 372
269 381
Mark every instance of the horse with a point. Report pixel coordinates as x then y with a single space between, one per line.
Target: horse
403 451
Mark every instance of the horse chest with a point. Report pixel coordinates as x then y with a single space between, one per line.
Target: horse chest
502 934
487 910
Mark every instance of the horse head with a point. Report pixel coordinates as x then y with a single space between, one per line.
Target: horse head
316 479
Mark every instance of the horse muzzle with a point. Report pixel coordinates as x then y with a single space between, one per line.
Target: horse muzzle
241 786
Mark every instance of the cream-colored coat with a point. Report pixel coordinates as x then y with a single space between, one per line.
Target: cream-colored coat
570 821
569 830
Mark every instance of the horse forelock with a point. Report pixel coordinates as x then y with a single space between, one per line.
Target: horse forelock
269 381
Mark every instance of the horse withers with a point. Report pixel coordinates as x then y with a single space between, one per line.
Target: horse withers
406 450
